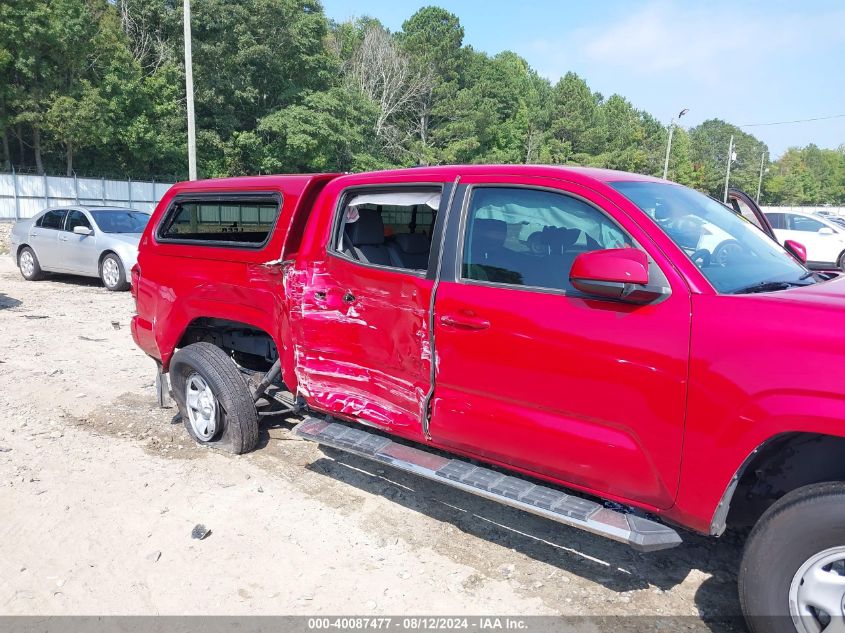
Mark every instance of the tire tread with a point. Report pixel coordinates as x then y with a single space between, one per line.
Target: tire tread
757 561
235 399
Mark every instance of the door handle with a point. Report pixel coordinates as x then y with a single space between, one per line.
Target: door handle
464 322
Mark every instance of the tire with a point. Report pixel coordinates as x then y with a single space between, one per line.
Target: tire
207 372
112 274
28 265
792 539
840 263
721 254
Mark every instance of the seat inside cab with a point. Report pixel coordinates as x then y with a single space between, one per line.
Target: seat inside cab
389 228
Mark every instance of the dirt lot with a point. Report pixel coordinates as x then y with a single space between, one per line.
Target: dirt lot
5 229
100 490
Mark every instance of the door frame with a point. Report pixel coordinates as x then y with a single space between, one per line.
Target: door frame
322 247
455 233
446 194
450 271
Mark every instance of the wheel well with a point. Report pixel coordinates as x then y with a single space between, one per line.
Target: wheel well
249 346
103 256
781 465
18 252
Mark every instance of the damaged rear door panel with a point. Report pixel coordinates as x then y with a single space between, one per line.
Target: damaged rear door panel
362 345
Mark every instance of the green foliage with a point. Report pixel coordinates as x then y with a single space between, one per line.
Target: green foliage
98 86
807 176
710 143
328 131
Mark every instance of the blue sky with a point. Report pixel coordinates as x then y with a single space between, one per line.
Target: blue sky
749 62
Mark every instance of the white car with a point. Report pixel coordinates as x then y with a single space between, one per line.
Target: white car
92 241
823 239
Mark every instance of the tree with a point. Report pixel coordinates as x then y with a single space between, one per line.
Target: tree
97 86
681 169
332 130
626 138
78 120
498 118
574 133
433 39
710 142
383 73
807 175
34 68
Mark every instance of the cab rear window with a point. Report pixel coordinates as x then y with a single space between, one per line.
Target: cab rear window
244 220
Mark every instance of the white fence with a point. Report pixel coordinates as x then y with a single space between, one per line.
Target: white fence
24 195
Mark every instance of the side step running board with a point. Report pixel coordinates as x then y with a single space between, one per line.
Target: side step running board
640 533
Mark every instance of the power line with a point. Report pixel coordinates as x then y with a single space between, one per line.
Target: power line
818 118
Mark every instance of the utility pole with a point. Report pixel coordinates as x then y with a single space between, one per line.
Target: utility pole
731 158
189 89
672 125
760 181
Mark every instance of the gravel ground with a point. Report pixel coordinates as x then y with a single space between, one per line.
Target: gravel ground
5 230
100 491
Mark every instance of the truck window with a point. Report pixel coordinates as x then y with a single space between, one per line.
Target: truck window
531 237
387 228
244 220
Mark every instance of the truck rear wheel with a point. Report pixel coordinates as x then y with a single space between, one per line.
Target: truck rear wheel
213 398
792 575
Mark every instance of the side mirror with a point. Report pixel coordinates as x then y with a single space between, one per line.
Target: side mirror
826 230
83 230
797 250
615 273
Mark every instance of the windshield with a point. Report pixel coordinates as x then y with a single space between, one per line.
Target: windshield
732 253
117 221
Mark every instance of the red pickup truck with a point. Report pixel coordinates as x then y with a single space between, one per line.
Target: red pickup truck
615 352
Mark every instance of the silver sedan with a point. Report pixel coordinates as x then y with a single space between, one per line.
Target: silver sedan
91 241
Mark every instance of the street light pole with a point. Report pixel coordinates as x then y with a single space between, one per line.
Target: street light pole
760 181
728 170
189 89
672 125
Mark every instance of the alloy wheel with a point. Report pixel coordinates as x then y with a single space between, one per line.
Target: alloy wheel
817 593
202 407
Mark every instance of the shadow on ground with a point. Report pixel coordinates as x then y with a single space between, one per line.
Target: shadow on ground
7 302
74 280
615 566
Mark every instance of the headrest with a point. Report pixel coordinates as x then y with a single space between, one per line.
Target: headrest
368 230
412 243
567 237
556 239
663 212
489 231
